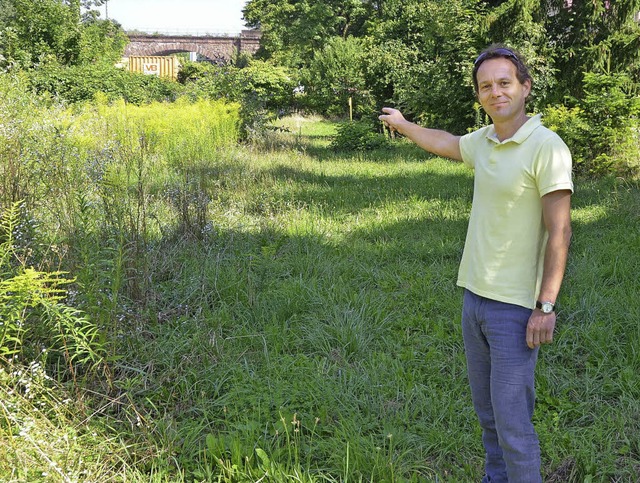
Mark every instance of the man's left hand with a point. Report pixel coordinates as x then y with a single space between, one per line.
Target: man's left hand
540 328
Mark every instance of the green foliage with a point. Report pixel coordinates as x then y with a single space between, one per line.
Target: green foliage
19 118
358 136
388 66
259 87
150 162
521 25
265 82
83 82
36 324
602 130
335 76
192 71
101 41
417 55
292 31
435 88
593 36
119 157
573 128
612 105
37 31
48 31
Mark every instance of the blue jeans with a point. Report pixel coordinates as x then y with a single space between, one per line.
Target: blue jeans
501 375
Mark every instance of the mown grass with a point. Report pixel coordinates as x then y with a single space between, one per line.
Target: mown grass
300 322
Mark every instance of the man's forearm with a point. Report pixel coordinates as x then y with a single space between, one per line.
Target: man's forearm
555 262
556 207
440 143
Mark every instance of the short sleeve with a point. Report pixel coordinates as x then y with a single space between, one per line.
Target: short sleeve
553 166
468 146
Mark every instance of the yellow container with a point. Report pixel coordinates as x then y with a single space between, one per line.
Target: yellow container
155 65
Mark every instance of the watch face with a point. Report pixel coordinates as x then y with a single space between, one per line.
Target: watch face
547 308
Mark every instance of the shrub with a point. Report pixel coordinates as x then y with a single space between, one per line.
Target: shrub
572 127
336 75
261 89
268 84
28 129
601 129
82 83
611 105
358 136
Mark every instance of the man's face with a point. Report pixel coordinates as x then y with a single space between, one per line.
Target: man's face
500 93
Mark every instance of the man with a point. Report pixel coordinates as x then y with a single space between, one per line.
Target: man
514 256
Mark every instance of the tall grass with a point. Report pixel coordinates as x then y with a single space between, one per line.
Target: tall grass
297 319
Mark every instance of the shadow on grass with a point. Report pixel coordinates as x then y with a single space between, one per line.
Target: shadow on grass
351 193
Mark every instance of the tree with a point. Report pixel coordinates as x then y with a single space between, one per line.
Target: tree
101 41
88 9
53 31
598 36
293 29
337 75
421 60
419 53
36 31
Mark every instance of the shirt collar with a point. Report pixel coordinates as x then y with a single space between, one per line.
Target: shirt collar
521 134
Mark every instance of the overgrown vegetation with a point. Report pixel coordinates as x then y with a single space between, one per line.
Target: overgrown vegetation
175 306
602 128
280 310
260 88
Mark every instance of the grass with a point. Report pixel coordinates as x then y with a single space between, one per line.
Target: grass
309 329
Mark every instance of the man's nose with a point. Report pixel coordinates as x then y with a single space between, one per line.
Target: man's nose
495 90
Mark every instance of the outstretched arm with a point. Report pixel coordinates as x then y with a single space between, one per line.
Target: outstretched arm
557 219
440 143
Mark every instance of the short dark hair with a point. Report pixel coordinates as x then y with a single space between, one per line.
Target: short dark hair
495 51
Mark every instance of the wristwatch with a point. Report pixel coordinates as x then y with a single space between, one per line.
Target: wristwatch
546 307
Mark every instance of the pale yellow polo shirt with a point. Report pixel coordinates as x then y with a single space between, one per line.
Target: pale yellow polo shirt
506 240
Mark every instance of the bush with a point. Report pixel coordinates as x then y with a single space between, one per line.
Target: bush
82 83
573 128
601 129
27 163
358 136
611 107
261 89
268 84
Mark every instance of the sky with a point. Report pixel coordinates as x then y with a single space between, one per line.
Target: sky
177 16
